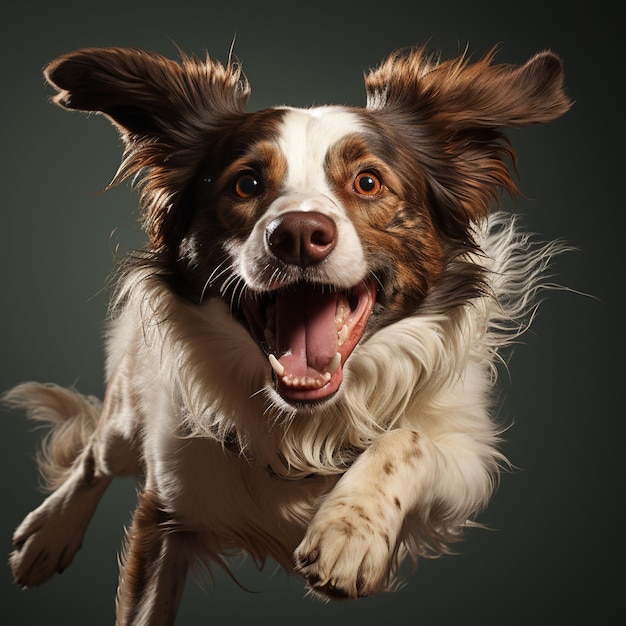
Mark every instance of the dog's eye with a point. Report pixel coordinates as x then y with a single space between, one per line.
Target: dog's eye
247 186
367 184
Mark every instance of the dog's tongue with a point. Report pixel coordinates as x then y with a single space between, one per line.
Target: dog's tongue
306 330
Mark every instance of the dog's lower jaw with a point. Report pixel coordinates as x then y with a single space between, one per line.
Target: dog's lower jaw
284 410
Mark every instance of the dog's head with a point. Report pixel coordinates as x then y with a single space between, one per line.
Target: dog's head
317 226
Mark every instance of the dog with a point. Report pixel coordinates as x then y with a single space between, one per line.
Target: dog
300 362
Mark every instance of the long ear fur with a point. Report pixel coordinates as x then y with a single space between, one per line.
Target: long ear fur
165 111
453 112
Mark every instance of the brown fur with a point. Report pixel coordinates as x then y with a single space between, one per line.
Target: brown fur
451 113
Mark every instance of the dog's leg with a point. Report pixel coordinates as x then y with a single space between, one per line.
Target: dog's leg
154 567
349 546
49 537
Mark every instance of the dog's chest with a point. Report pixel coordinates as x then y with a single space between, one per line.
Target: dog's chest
213 491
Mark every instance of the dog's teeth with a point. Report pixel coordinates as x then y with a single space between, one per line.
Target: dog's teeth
293 381
308 382
276 366
333 366
343 335
342 313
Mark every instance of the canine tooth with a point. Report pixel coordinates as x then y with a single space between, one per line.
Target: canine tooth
343 335
333 366
276 366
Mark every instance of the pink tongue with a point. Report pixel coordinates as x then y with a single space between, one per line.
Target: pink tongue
306 330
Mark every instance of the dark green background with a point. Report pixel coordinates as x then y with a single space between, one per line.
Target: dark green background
555 523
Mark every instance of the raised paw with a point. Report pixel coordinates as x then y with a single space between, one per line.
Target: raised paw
346 551
43 545
47 540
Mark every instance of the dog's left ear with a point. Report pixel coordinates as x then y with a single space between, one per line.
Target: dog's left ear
167 113
452 112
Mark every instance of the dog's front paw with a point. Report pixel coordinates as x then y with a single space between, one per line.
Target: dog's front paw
44 544
47 540
347 549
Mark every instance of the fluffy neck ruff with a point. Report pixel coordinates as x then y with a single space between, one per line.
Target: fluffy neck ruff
423 371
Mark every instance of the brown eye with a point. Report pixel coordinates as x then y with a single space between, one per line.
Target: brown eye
367 184
247 186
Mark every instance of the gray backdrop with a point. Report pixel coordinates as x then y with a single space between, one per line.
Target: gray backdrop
553 526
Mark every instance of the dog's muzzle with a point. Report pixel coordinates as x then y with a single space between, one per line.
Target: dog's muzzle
308 330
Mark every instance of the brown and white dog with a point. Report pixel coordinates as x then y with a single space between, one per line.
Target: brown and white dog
300 362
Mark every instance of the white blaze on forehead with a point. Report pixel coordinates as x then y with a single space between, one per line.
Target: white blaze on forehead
305 138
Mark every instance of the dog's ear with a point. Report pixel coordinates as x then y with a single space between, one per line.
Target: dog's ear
167 113
460 94
145 94
453 113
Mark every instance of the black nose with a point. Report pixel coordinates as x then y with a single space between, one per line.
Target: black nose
301 238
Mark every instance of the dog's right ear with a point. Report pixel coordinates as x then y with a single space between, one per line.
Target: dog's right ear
167 113
145 94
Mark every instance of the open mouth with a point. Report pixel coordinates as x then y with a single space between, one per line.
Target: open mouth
308 332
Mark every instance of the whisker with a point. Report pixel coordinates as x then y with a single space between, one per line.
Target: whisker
240 287
376 278
219 270
226 285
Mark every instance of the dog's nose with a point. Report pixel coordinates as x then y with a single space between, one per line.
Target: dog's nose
301 238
